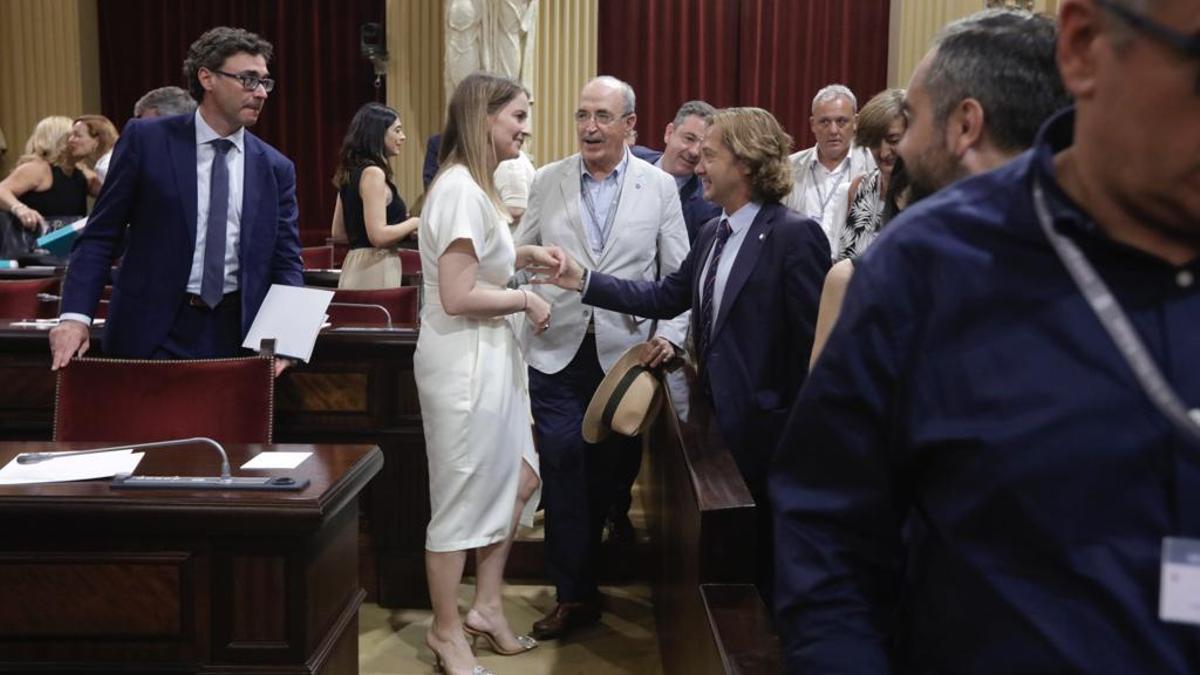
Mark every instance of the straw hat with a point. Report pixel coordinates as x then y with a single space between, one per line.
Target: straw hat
626 400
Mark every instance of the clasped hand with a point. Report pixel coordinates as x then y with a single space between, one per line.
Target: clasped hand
547 262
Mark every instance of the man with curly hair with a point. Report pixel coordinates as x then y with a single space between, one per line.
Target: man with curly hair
205 213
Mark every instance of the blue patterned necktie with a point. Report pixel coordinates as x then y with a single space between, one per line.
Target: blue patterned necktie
212 284
706 299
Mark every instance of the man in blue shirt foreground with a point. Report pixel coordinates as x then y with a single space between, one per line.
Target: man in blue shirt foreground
974 480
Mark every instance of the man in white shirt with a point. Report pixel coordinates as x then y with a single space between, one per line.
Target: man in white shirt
826 168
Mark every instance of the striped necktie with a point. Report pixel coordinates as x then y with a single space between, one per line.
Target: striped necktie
707 311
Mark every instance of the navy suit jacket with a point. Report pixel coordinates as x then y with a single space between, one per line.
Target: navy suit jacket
430 168
148 205
696 209
763 335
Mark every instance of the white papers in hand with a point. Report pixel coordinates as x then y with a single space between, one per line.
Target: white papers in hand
63 469
276 460
292 316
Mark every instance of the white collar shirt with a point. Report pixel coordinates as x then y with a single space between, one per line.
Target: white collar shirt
820 191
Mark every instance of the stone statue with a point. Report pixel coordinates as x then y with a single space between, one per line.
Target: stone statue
492 35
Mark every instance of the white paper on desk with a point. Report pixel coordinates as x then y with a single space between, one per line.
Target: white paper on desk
79 467
276 460
292 316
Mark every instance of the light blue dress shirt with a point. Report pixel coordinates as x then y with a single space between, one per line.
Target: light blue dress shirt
603 194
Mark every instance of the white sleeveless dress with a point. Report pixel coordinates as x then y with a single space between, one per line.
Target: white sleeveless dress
471 378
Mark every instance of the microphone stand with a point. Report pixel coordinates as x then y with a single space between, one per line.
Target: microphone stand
226 481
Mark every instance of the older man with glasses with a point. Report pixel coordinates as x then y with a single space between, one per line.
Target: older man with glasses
995 465
618 214
205 211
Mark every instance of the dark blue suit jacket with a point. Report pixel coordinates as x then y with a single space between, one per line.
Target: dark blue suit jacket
696 209
763 334
148 204
430 167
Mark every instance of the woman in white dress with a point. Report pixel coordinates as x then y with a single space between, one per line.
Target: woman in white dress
469 369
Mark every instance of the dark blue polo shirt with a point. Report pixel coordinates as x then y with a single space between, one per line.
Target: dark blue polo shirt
972 480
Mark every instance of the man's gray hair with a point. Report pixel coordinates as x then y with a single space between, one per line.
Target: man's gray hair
701 109
166 100
832 91
626 91
1005 60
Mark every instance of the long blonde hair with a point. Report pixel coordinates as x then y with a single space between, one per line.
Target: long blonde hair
467 138
48 142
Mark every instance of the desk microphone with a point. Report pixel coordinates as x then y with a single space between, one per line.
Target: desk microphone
226 481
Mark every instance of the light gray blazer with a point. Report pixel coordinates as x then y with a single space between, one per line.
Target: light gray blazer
648 229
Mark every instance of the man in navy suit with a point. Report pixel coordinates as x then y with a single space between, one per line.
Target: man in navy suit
753 281
682 140
205 211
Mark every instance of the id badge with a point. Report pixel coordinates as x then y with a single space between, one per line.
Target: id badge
1179 589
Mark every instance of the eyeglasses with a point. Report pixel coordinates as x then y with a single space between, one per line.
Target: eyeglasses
250 82
1188 45
603 117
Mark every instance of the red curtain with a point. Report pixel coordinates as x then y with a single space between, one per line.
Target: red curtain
321 77
774 54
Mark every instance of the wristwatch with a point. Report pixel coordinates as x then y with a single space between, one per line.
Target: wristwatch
583 279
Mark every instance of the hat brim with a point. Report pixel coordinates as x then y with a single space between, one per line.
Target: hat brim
594 429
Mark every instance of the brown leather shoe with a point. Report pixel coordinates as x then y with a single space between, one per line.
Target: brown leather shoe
564 618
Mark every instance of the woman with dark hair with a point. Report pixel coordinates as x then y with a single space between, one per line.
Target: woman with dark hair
874 200
370 213
469 370
881 125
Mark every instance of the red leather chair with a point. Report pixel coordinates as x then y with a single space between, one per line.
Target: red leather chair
382 307
317 257
340 249
19 298
410 261
130 401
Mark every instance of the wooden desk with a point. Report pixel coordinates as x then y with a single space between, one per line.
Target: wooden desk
359 388
100 580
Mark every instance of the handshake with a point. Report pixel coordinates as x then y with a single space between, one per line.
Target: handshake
551 265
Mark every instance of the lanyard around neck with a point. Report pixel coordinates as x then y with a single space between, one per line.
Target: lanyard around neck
590 205
1115 322
834 178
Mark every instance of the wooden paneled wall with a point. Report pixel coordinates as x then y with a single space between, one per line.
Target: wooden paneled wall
566 59
915 22
49 65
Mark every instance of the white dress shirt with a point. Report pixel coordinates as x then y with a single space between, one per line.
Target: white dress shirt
235 160
739 224
821 191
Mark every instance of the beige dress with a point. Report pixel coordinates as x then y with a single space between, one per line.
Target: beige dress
470 379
